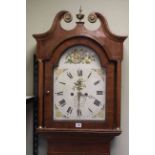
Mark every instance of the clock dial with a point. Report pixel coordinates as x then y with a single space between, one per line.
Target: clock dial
79 86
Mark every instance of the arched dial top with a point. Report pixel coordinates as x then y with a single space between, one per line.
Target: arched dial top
79 86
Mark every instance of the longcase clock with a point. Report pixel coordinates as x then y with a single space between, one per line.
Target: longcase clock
79 86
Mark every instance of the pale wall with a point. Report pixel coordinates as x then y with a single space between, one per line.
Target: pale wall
40 14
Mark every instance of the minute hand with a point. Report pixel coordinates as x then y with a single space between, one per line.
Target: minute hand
78 100
78 106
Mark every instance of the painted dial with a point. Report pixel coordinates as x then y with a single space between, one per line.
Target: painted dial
79 86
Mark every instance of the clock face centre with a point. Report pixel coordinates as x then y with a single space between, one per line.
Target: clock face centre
79 85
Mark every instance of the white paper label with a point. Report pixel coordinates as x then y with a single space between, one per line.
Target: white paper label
78 125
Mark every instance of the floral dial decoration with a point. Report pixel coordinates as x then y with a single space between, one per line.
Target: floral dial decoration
79 56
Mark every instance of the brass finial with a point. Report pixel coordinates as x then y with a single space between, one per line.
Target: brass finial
92 18
68 17
80 16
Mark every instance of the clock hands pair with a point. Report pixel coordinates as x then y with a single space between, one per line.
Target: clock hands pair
81 100
79 85
78 105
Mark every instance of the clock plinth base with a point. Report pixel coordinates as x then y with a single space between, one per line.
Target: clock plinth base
75 142
78 148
